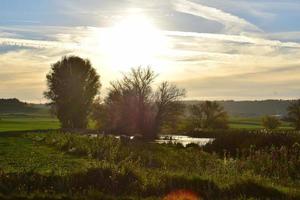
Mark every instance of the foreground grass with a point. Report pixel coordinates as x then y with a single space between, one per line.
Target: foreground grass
135 170
21 154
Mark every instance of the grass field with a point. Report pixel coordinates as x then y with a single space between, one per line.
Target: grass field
63 166
251 123
21 154
43 121
69 166
27 122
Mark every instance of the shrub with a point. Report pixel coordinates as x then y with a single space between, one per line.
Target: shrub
209 115
270 122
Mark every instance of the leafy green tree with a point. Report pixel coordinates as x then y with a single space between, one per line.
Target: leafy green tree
72 85
209 115
294 114
270 122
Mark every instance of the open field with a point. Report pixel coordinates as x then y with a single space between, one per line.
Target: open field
251 123
27 122
70 166
24 122
54 165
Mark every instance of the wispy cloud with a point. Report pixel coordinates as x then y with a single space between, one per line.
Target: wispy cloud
270 84
34 43
232 23
256 39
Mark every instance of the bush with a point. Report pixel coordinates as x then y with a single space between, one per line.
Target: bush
209 115
270 122
233 140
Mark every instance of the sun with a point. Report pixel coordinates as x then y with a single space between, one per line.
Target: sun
133 41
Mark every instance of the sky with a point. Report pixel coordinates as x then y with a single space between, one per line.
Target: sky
216 49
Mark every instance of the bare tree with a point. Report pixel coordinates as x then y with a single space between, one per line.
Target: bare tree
132 107
167 104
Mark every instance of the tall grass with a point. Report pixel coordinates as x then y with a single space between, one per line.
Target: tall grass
139 169
237 140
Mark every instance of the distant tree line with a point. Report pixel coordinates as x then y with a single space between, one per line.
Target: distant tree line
15 106
253 108
133 105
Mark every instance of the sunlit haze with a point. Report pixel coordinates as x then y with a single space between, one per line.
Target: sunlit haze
132 41
231 49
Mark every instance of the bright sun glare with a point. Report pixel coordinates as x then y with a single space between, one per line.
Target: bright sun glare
133 41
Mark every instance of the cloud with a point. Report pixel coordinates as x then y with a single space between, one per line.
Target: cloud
233 24
221 54
256 39
269 84
293 36
22 74
24 65
243 63
31 43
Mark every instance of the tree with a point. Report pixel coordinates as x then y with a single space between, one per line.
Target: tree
270 122
132 107
98 114
168 106
72 85
128 102
209 115
294 114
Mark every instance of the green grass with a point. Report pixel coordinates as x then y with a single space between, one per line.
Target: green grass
251 123
27 123
70 166
21 154
43 121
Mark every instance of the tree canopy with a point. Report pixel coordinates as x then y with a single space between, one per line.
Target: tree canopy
209 115
270 122
72 86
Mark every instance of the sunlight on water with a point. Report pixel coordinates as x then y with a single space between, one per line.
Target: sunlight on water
182 139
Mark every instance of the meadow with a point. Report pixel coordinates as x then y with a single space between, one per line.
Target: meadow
44 121
27 122
252 123
38 161
59 165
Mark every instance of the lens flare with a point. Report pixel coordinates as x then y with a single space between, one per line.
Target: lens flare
182 195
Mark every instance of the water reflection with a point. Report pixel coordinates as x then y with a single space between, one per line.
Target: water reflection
183 139
164 139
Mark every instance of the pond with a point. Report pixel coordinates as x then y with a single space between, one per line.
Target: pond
183 139
174 139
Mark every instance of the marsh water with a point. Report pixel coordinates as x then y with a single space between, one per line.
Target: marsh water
183 139
174 139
